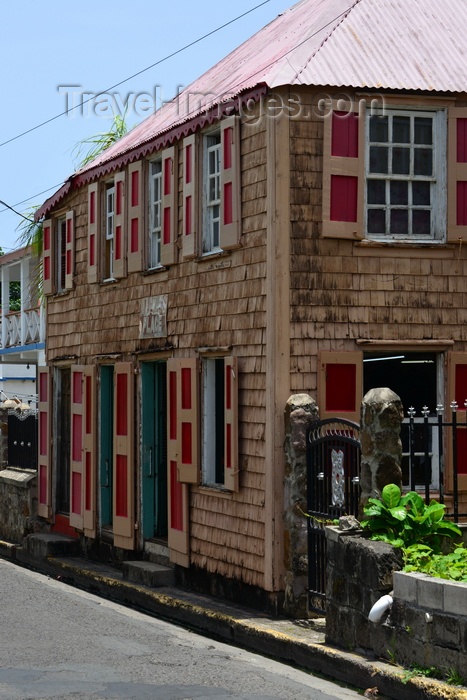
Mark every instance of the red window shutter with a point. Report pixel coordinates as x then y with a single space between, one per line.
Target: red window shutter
340 385
47 258
180 392
231 467
89 447
457 174
69 250
120 238
135 216
344 136
93 231
44 475
457 391
343 174
77 453
344 198
231 216
169 207
123 457
189 228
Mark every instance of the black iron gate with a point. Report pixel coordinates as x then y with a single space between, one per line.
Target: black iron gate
333 490
22 439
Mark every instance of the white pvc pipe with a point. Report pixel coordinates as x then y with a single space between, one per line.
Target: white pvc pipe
379 608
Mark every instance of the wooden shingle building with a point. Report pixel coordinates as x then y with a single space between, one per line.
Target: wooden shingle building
292 222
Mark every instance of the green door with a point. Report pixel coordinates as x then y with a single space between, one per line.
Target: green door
106 444
154 449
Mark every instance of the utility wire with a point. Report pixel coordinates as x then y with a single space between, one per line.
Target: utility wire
157 63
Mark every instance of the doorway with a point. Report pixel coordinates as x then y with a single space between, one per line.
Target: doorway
415 378
62 401
154 450
106 406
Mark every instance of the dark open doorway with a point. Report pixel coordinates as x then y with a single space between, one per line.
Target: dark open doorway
413 376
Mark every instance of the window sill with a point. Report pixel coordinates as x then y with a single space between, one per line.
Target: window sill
155 270
216 489
215 260
109 281
404 248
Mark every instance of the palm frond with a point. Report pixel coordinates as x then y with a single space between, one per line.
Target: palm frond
86 150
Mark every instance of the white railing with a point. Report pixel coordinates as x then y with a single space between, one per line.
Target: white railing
22 328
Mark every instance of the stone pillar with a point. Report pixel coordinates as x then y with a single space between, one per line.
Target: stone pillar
300 412
381 418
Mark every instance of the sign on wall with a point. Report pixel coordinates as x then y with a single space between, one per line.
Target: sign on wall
153 317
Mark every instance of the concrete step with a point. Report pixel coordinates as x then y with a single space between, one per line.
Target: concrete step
41 546
148 573
157 552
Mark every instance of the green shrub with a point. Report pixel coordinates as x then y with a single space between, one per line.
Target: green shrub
403 521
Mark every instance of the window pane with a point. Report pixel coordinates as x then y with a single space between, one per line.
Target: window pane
421 193
423 161
401 160
376 192
401 130
421 222
378 159
399 192
423 130
376 221
379 129
212 162
212 189
399 221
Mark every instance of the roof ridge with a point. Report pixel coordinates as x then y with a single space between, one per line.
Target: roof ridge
344 16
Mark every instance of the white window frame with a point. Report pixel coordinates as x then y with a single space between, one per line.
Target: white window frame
438 199
211 182
109 231
208 424
155 213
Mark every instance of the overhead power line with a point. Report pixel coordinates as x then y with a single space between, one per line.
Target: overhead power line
144 70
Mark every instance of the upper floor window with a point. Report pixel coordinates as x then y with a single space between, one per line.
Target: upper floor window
58 253
386 172
60 257
155 213
109 231
405 176
211 192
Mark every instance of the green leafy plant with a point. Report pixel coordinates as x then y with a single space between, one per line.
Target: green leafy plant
421 672
452 566
406 520
454 678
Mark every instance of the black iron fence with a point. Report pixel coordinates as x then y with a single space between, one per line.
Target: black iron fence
435 455
22 439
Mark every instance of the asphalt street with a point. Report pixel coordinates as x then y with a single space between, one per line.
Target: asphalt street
60 642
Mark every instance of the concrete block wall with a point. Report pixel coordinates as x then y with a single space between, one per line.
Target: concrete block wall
427 624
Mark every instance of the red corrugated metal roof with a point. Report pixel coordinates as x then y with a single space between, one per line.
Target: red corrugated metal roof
383 44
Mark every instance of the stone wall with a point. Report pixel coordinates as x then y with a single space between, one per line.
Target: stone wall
18 504
359 572
426 625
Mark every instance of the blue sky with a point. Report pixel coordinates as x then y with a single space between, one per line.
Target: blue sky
46 47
